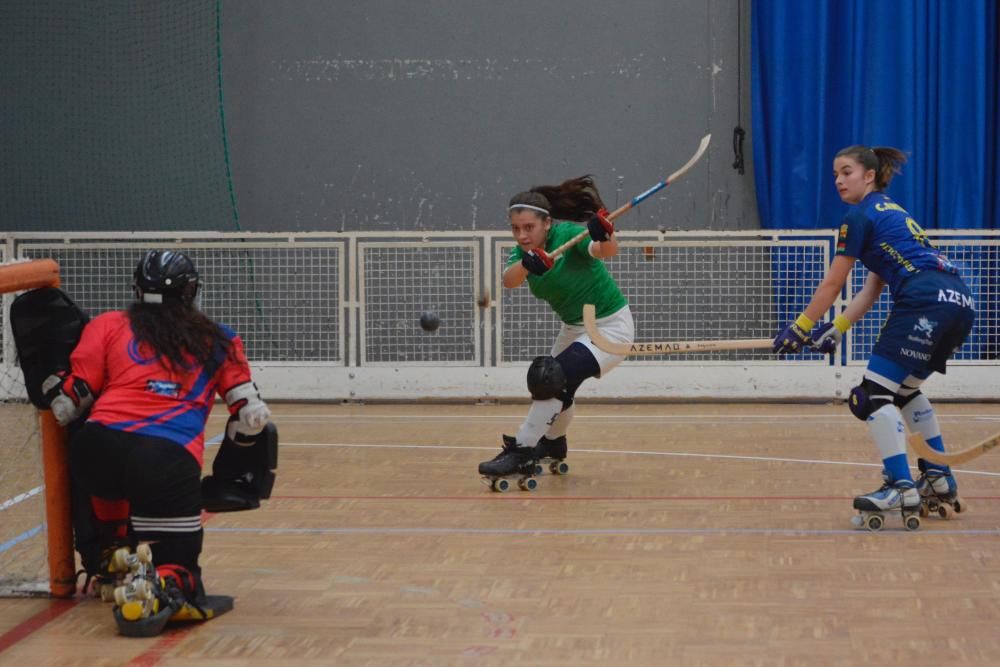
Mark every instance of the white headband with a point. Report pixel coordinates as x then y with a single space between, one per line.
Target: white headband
533 208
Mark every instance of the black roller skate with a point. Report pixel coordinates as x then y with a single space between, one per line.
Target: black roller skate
514 461
938 492
153 597
553 453
901 495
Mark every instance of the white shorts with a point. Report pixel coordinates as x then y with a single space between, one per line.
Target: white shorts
618 328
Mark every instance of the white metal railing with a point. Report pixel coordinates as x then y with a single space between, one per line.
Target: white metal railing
335 315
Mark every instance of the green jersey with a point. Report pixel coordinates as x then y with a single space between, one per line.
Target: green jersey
576 278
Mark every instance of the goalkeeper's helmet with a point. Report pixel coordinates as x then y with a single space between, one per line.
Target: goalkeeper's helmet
165 274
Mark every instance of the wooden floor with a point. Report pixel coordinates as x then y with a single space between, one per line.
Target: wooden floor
683 535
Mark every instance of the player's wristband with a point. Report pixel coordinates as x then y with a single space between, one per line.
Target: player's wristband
841 323
804 323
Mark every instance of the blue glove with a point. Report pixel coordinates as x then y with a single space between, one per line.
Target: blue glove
600 227
793 337
537 261
827 337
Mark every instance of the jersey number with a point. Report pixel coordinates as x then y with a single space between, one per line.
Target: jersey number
918 233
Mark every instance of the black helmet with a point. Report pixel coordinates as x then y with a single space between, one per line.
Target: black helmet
165 274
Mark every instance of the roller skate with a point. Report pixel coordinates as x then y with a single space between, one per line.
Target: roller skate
153 597
901 495
113 571
514 461
553 453
938 492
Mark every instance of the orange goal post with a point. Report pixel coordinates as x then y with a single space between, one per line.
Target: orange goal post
36 536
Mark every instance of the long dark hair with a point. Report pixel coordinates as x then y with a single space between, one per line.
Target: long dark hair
175 329
575 199
885 160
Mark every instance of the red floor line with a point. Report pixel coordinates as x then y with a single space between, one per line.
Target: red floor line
518 496
54 610
162 648
57 608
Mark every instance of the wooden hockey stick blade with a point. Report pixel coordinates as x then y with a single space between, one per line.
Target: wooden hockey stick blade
618 212
674 347
924 451
702 147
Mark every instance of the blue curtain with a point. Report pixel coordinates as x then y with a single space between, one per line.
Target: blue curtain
920 75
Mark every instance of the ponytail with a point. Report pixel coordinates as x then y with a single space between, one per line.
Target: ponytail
885 160
575 199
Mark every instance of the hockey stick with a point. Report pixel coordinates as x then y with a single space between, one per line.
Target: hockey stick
924 451
618 212
590 322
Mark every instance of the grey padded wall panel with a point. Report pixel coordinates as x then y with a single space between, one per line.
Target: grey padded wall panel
402 114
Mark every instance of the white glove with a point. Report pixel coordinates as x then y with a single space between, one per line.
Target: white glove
252 412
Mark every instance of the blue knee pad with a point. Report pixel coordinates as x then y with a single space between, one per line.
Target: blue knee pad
867 398
578 363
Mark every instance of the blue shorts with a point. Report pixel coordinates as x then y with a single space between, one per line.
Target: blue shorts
931 318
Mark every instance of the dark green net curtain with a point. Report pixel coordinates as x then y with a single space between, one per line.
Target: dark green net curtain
112 116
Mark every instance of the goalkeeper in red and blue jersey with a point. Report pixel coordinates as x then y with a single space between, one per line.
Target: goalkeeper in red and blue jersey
149 377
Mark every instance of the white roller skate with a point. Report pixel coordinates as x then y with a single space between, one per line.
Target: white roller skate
901 495
514 461
551 454
938 492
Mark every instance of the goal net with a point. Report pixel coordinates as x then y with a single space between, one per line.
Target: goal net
36 555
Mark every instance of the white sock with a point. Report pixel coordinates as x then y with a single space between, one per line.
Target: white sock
920 417
541 415
888 432
561 425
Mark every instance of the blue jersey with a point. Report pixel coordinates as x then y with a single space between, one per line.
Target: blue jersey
889 242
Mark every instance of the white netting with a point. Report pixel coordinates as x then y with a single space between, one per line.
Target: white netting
402 281
978 260
23 547
695 289
284 301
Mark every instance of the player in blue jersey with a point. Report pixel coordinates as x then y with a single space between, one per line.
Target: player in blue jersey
932 314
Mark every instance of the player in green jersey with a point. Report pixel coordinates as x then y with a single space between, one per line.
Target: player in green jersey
566 283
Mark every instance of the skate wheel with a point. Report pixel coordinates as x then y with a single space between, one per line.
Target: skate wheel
121 596
559 467
501 485
874 522
924 512
144 553
911 522
119 560
528 484
539 469
132 611
945 512
959 506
